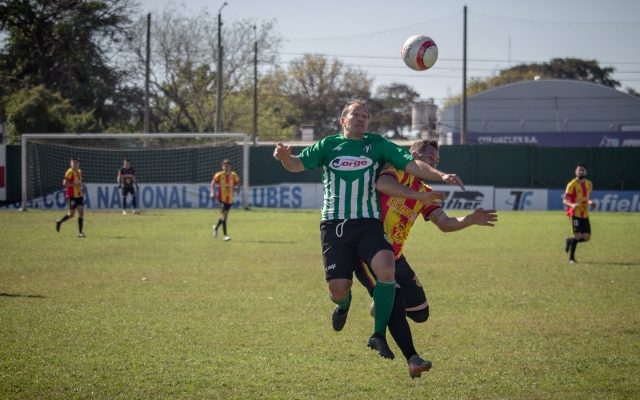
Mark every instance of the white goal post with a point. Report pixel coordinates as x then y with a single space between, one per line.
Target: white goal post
156 157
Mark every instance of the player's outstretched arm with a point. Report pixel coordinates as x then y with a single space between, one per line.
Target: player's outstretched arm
425 171
387 184
290 162
479 217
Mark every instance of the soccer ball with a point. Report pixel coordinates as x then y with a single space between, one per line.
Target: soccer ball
419 52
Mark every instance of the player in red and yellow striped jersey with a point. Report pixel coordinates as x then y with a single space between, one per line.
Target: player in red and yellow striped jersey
72 183
577 201
403 199
227 182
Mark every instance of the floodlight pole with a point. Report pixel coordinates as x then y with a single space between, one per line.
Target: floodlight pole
255 87
219 73
463 125
147 69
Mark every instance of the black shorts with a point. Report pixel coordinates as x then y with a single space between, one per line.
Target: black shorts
128 189
74 202
224 206
346 242
580 225
406 278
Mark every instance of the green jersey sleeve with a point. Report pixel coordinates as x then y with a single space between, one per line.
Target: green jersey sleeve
397 156
312 156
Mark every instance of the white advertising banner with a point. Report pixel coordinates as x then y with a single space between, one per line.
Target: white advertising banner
521 199
473 197
189 195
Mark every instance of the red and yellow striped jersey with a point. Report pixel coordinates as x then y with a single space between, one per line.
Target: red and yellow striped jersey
73 186
226 182
399 214
578 192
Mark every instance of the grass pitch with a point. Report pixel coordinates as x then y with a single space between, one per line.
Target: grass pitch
150 306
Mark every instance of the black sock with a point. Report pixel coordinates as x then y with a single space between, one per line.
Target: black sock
80 222
134 201
124 202
224 227
572 250
218 224
399 327
66 217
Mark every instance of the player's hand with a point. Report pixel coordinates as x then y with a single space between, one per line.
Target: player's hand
453 179
484 217
281 152
429 198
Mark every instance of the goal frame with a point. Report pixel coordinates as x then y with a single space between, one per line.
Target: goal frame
232 135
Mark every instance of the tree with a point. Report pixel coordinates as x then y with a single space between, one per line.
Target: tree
64 45
557 68
392 109
38 110
320 88
183 64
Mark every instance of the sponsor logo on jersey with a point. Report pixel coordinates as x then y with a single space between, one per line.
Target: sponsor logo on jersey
349 163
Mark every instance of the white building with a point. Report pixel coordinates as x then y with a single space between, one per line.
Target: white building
551 112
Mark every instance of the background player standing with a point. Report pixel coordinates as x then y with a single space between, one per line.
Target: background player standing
577 199
127 182
227 181
73 192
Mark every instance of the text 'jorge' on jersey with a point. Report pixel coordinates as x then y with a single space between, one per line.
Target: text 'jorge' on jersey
226 182
349 171
579 193
399 214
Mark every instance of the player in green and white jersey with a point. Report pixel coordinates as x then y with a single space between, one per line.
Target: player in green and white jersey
351 229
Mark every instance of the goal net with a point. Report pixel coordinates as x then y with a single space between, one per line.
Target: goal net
172 170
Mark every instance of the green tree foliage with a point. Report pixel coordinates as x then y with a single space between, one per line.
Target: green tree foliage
38 110
557 68
64 45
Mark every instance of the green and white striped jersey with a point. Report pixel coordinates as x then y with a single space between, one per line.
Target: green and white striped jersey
349 171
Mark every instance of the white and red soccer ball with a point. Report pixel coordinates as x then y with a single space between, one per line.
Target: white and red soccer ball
419 52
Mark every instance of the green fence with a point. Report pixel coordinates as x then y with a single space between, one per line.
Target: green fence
493 165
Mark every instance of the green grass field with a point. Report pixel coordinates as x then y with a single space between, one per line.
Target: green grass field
150 306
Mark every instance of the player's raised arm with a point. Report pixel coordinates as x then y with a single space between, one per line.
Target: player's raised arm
479 217
425 171
388 185
290 162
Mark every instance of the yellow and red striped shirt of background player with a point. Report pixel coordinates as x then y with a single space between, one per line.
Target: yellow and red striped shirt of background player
226 182
399 214
578 192
73 177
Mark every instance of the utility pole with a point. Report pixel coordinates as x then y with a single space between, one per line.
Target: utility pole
145 128
463 125
219 73
255 87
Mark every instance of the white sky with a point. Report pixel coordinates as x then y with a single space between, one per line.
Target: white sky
500 33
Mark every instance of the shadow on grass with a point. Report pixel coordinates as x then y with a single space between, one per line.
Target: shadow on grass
33 296
269 241
618 263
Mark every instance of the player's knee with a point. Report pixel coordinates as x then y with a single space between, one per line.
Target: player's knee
419 315
339 289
